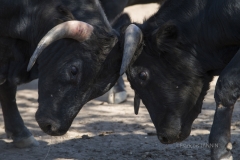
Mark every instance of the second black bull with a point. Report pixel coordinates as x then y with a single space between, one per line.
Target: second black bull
182 47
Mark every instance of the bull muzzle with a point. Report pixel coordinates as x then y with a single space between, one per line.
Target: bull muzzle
50 125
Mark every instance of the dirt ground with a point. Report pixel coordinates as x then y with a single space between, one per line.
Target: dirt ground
103 131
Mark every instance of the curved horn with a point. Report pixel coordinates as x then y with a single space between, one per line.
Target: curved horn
133 37
136 103
77 30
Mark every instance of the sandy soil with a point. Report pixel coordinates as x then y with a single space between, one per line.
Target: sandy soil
104 131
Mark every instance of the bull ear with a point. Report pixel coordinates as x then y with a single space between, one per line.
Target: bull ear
110 41
166 33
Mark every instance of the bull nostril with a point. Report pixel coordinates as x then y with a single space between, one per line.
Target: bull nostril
52 128
164 139
48 127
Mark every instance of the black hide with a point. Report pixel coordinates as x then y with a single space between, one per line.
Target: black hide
186 43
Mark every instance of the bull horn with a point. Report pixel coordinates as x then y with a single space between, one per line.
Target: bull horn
77 30
136 103
133 37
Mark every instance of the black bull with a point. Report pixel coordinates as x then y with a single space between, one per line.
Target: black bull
68 70
183 46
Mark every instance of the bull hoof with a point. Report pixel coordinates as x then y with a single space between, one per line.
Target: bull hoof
25 143
223 153
227 156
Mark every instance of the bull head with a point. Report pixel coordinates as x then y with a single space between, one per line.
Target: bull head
72 90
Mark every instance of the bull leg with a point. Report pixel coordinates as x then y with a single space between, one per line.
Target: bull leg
117 94
14 125
3 73
226 94
6 45
220 135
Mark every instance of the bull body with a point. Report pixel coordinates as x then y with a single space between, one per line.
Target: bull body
186 43
65 69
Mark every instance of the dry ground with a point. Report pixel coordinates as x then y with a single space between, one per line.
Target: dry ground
104 131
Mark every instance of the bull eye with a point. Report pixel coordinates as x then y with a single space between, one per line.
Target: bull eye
143 75
74 70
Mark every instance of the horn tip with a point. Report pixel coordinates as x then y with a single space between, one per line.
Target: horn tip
29 67
122 71
31 62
